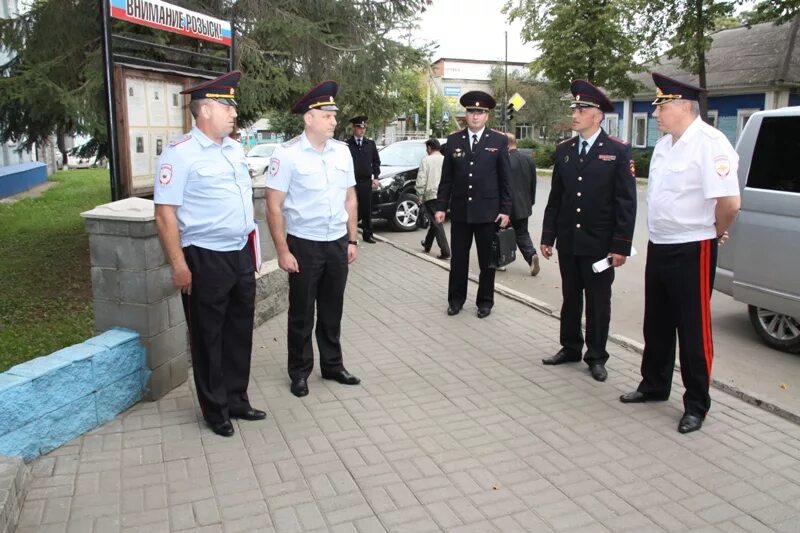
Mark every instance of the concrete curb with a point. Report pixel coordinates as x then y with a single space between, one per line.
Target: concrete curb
620 340
15 478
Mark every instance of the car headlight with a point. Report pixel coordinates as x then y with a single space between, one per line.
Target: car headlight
385 182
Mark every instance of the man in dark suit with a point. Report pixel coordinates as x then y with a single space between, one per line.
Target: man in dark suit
367 165
475 186
590 216
523 196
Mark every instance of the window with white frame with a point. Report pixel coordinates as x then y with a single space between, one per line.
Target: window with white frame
611 124
713 117
524 131
742 116
542 132
639 139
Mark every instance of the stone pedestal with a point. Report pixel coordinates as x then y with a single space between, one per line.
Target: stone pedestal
272 283
132 288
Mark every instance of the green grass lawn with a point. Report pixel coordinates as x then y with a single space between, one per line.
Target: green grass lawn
45 283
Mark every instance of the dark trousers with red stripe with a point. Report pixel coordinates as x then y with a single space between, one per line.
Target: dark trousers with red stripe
678 283
220 313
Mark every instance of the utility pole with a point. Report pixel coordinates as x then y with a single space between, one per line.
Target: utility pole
505 96
428 101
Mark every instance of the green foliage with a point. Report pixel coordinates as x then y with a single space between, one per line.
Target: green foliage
777 11
641 158
691 38
597 40
544 155
45 285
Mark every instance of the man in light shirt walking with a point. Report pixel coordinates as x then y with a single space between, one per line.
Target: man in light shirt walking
428 177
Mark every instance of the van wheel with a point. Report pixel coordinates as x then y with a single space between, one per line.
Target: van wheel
781 332
406 213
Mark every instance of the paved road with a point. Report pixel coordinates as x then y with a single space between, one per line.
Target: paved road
455 428
741 359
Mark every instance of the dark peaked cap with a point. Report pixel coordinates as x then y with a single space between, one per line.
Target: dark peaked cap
319 97
221 89
360 120
668 89
477 100
584 94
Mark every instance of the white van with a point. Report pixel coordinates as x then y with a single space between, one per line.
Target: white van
760 264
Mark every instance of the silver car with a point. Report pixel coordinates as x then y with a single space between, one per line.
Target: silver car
759 265
258 158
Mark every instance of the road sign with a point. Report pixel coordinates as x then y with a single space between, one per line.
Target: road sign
516 101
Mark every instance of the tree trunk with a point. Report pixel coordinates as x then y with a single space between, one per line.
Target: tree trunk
701 58
62 146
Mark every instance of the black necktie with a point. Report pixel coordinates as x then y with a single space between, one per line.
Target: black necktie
474 141
358 142
584 144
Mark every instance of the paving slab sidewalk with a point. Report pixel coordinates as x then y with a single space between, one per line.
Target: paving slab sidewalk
456 427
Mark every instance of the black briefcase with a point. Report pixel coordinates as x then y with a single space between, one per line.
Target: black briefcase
504 248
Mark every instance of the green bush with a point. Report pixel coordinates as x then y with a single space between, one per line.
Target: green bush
641 158
527 142
544 155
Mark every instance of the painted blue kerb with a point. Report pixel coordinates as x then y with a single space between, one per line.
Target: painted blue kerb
18 178
50 400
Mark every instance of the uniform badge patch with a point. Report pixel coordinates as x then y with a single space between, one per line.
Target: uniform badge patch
490 149
722 165
274 166
606 157
566 159
633 168
165 174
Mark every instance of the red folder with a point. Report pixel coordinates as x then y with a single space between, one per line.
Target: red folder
255 248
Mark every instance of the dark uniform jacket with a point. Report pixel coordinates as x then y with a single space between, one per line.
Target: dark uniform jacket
475 186
523 184
592 205
366 162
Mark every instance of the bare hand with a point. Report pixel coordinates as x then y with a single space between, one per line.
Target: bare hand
182 279
722 239
547 251
617 260
375 183
352 253
439 217
288 263
502 219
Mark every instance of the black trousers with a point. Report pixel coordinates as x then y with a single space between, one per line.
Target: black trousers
524 242
435 230
220 313
461 234
364 196
578 280
678 281
319 284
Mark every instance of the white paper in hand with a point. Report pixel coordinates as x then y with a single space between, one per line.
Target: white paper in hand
605 263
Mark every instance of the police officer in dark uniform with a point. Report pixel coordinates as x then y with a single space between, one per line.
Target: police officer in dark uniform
475 186
204 214
590 215
367 165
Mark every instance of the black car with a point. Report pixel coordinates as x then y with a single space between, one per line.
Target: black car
395 199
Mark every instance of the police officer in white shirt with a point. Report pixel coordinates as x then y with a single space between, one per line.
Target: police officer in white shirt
693 198
312 216
204 215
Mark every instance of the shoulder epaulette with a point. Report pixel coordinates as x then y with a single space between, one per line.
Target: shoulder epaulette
712 132
567 140
617 140
178 140
291 142
338 141
497 131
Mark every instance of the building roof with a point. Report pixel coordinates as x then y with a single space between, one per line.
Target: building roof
757 56
482 61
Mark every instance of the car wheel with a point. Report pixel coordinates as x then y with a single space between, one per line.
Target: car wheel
406 212
781 332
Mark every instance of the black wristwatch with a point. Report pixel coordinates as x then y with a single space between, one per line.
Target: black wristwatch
354 243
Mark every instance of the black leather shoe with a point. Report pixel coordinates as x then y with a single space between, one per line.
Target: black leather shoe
425 247
640 397
598 372
483 312
223 429
563 356
369 240
249 414
443 256
342 376
453 310
299 387
689 423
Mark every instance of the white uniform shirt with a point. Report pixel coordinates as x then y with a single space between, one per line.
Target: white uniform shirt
316 186
685 180
212 188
